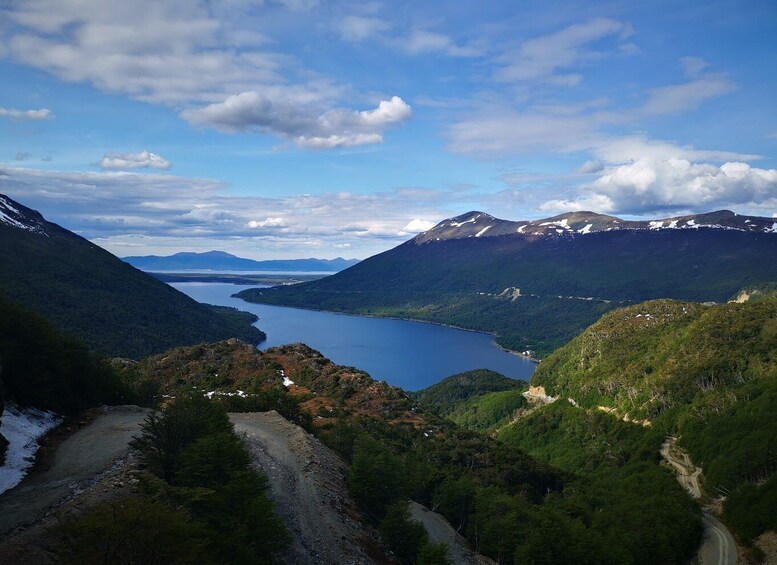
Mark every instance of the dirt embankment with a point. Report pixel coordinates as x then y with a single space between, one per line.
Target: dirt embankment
307 483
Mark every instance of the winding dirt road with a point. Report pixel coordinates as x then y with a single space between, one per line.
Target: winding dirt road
718 546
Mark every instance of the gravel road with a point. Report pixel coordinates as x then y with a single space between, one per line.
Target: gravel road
84 455
440 531
308 487
718 546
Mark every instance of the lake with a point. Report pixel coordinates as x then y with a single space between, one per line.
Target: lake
411 355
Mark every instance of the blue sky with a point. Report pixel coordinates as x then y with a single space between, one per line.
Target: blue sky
299 128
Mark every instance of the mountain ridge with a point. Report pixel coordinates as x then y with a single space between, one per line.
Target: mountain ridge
89 293
221 261
480 224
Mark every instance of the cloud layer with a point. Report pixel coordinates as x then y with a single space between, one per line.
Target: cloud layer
129 161
251 111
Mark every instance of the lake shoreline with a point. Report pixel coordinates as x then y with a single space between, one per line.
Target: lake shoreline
379 317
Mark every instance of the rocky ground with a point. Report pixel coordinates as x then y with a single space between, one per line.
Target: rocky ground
307 482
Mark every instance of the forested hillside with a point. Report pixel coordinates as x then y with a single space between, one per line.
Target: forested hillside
87 292
537 291
705 374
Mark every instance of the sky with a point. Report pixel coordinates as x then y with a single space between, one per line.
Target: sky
314 128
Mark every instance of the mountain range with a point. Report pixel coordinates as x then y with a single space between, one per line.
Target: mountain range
537 284
221 261
87 292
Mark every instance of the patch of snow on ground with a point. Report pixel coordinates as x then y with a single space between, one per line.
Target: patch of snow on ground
22 427
690 223
772 229
523 227
287 382
672 224
484 230
657 225
586 229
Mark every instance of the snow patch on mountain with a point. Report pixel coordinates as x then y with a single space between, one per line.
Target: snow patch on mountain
12 216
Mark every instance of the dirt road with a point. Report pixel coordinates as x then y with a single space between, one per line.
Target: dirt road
440 531
308 487
718 546
84 455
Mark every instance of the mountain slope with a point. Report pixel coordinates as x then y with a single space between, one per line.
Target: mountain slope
221 261
705 374
86 291
538 284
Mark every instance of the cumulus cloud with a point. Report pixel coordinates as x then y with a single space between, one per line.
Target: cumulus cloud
649 185
541 58
360 28
417 225
128 161
197 56
33 115
267 223
251 111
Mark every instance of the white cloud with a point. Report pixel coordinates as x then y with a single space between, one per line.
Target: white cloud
649 185
194 56
267 223
127 161
541 58
422 41
360 28
33 115
676 98
417 225
251 111
591 166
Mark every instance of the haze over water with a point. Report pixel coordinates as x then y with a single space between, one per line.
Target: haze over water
411 355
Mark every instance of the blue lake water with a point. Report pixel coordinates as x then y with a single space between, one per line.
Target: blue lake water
411 355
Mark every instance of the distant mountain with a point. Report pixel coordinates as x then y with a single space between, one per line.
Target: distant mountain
221 261
87 292
480 224
537 284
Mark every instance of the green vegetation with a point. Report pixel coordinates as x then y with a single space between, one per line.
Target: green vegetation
112 307
446 395
566 282
706 374
203 504
478 400
41 367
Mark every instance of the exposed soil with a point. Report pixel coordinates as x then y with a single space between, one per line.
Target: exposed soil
307 483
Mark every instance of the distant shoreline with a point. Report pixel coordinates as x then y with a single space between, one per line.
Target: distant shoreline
451 326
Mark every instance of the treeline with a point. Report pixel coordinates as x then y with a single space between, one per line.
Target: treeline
44 368
201 503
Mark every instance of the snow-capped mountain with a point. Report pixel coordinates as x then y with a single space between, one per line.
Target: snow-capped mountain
15 215
480 224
